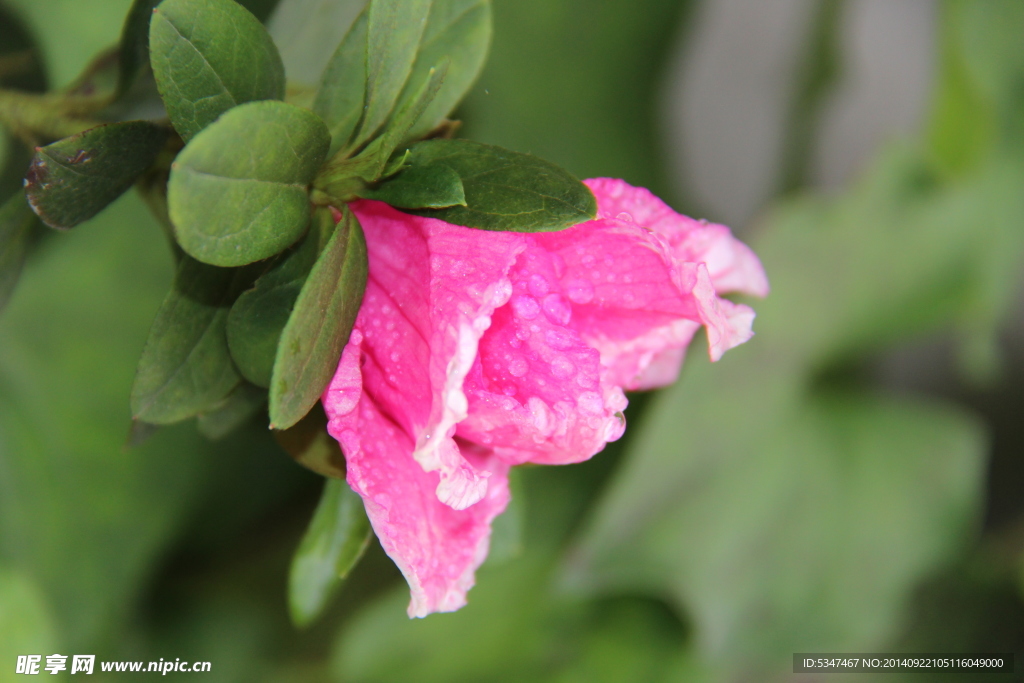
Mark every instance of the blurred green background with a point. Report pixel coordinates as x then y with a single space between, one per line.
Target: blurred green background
850 480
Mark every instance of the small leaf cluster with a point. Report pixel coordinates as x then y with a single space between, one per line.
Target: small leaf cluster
251 178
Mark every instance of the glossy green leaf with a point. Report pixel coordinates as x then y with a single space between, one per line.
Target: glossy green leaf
459 30
342 91
240 406
209 56
505 190
418 187
133 50
319 327
393 32
73 179
310 445
335 540
231 206
186 367
16 221
348 177
260 314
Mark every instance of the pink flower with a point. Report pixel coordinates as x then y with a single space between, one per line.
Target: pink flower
475 351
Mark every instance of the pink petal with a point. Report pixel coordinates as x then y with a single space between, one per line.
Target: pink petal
732 265
536 393
436 547
636 303
430 295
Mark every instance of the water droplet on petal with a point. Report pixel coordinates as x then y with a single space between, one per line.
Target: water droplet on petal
556 309
579 291
518 367
590 403
538 286
525 307
558 339
625 216
562 368
502 293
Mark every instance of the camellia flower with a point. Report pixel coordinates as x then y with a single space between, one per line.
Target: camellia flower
475 351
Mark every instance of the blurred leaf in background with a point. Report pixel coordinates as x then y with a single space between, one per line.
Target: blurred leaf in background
778 500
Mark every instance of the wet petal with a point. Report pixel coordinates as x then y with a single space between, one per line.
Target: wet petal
431 292
732 265
537 392
436 547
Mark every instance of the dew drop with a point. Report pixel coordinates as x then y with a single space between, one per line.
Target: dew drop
562 368
585 380
558 339
525 307
502 293
579 291
625 216
518 367
538 286
556 309
590 403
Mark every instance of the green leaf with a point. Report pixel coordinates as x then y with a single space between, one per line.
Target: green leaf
309 444
209 56
420 187
319 327
75 178
231 206
505 190
393 32
339 102
16 222
336 538
186 367
811 505
347 177
240 406
69 343
260 314
134 46
792 500
459 30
